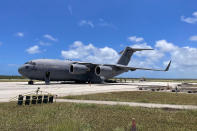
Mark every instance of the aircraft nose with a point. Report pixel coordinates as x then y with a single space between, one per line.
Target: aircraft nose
21 70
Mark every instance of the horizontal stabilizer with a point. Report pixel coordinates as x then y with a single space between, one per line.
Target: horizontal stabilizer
126 55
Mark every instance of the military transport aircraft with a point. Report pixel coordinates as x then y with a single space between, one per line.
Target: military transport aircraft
62 70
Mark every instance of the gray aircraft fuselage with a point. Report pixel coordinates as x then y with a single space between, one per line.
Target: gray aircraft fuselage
63 70
59 71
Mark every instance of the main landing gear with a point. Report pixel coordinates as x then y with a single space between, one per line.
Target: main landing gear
30 82
47 78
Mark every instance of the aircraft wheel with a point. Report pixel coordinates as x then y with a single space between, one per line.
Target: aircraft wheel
47 82
30 82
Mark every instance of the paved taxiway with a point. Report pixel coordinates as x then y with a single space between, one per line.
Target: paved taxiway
148 105
9 90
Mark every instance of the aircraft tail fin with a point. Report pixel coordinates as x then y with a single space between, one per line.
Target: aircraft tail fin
126 55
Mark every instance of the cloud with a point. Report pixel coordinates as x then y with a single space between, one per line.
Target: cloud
33 50
165 46
148 58
193 38
44 43
20 34
183 58
90 53
135 39
1 43
86 23
47 36
190 20
100 23
103 23
70 10
153 55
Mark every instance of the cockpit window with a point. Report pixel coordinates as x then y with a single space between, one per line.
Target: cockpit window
31 63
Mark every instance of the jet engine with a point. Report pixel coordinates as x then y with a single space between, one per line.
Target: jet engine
103 71
78 69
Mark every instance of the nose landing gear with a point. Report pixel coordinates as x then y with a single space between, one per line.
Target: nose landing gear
47 78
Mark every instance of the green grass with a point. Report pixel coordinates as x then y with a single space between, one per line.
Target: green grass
11 77
5 78
157 80
142 96
90 117
14 80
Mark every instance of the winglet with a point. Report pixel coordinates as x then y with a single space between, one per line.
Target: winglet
167 68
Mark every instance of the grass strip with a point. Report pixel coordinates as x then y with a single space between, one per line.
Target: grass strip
141 96
84 117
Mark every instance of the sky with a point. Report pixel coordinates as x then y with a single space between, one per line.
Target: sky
97 30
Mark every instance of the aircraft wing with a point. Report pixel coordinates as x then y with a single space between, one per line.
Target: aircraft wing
167 68
136 68
85 63
123 67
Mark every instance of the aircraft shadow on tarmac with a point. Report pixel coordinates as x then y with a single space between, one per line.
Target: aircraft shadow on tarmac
54 83
102 84
111 84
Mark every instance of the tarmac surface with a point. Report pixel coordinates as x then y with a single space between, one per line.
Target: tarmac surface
9 90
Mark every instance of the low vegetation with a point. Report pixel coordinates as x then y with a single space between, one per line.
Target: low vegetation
4 78
14 80
90 117
142 96
11 77
154 80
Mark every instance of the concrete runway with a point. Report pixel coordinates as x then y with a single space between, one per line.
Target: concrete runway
9 90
